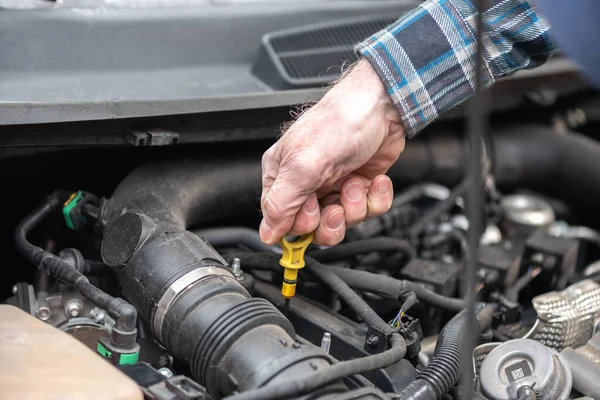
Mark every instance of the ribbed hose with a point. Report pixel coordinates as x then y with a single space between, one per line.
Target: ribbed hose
305 384
445 367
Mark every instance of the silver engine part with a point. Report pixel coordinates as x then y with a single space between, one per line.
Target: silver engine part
524 214
522 365
480 353
71 313
567 318
585 366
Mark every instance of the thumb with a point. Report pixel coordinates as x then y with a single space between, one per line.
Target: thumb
280 204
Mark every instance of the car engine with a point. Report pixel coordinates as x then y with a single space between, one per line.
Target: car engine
133 265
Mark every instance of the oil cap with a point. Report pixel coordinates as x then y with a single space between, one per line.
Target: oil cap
524 363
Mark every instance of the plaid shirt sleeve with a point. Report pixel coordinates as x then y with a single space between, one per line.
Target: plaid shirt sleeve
426 59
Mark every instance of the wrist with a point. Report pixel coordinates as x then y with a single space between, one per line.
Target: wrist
364 81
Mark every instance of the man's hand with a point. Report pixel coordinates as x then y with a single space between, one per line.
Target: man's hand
326 173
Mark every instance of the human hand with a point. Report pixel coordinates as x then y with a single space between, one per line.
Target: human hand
327 172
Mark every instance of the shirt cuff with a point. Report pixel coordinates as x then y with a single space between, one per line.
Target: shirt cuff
426 59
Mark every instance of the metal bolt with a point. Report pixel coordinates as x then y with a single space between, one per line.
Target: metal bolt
165 372
326 342
14 289
73 308
43 307
372 341
527 393
43 313
97 314
236 268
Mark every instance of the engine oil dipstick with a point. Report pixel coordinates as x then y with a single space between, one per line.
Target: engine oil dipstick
292 260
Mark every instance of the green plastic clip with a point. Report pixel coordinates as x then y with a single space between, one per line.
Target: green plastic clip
69 205
128 358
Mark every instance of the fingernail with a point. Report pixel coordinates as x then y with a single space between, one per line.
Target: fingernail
383 186
312 205
335 221
265 232
354 190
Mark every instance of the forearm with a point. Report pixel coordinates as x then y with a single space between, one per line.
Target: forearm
426 59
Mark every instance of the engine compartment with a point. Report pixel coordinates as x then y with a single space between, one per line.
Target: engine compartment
377 316
132 209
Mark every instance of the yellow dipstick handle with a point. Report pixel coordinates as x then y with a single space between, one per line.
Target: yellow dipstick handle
292 260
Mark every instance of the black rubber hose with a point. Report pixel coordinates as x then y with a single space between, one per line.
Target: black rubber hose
206 190
564 166
351 249
306 384
186 193
349 296
58 268
382 285
445 367
232 236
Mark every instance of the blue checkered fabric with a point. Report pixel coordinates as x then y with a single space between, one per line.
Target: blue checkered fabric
426 59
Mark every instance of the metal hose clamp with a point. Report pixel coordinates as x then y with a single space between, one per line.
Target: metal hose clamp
179 287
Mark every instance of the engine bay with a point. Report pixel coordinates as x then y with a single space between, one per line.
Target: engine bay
145 278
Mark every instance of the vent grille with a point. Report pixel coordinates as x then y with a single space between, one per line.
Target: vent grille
313 56
347 34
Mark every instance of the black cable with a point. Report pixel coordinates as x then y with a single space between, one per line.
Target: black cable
513 292
382 285
394 288
437 210
444 237
303 385
351 249
306 384
410 300
124 313
349 296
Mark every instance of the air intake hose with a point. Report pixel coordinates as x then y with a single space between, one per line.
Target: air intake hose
181 285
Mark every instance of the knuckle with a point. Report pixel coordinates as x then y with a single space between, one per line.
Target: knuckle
273 210
311 164
268 155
